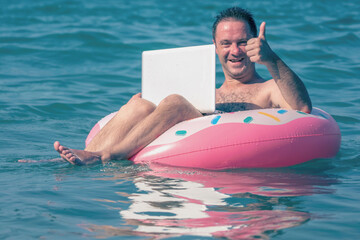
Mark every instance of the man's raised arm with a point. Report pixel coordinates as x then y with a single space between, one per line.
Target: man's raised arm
290 85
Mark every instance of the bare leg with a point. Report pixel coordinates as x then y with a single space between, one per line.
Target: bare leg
114 131
121 124
170 111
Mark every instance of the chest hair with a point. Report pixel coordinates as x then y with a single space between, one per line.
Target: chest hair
237 100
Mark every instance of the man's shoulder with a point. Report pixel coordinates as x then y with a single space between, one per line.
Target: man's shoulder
268 85
267 82
262 86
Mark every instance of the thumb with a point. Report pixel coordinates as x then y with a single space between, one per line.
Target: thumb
262 30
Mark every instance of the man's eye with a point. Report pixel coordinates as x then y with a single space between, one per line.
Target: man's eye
242 43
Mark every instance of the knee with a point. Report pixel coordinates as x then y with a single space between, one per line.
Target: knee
174 101
140 106
176 108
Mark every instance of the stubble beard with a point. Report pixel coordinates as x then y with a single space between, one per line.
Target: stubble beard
241 73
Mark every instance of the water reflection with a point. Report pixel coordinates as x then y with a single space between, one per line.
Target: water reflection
253 204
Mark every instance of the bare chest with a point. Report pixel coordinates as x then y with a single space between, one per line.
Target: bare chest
240 99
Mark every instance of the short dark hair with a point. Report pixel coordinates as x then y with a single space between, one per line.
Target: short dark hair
236 13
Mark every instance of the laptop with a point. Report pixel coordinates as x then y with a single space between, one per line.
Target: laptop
188 71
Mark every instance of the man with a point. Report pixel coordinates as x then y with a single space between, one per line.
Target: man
238 47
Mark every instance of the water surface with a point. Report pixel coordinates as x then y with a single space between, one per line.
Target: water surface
66 64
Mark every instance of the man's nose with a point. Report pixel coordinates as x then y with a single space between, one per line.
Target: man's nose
235 49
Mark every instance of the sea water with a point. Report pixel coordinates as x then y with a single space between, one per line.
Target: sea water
66 64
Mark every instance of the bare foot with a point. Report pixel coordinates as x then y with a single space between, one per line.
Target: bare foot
77 157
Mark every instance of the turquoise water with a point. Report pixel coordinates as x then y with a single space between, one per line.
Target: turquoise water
66 64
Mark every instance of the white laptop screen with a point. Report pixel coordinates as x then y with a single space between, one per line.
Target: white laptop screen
188 71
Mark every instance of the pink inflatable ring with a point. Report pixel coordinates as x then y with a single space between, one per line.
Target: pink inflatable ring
247 139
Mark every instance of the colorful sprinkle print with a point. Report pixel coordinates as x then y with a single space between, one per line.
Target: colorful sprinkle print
248 120
282 111
181 133
270 116
215 120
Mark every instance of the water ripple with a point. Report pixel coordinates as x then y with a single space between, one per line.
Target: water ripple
65 64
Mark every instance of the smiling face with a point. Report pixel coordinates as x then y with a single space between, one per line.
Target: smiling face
230 41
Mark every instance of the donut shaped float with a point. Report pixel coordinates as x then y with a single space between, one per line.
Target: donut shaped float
263 138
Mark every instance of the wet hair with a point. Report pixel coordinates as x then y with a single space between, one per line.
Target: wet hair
236 13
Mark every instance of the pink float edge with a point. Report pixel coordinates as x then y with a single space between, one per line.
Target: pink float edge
241 149
248 146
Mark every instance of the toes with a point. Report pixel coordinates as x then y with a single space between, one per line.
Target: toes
73 159
56 146
65 152
69 158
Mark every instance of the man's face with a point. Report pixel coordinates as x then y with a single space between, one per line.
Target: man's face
230 40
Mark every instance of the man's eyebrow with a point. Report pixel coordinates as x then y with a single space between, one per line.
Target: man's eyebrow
237 40
224 41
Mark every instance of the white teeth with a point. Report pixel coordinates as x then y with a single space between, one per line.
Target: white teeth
236 60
